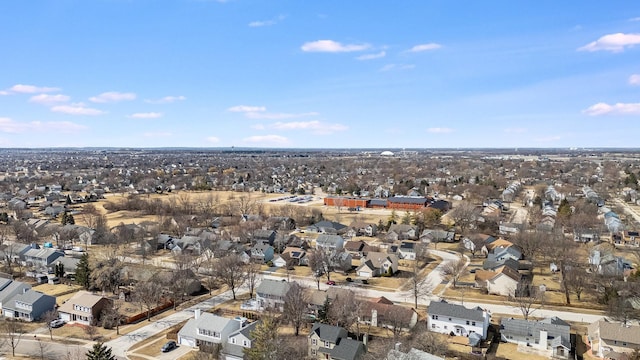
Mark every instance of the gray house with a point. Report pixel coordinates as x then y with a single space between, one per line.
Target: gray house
28 306
550 337
271 294
10 288
238 341
329 242
42 257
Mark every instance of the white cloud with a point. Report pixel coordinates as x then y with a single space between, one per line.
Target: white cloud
166 100
634 79
213 139
515 130
8 125
267 22
440 130
76 109
4 92
381 54
112 96
390 67
47 99
278 116
258 127
332 46
425 47
157 134
147 115
616 109
31 89
245 108
267 140
316 126
635 19
612 42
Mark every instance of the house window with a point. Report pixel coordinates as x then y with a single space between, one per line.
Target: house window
314 341
449 319
433 326
245 343
327 344
467 322
434 317
624 344
210 333
473 323
233 340
313 352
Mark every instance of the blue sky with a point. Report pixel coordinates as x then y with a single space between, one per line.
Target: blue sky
319 74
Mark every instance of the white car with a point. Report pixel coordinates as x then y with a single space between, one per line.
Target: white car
56 323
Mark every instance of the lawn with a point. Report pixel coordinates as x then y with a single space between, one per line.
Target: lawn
510 352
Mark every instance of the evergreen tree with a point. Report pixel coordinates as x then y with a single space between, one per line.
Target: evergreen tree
323 312
83 272
100 352
264 344
59 269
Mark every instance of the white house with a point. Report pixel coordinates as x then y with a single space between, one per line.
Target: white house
206 329
270 294
449 318
377 263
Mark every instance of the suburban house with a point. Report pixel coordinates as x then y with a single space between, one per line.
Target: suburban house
207 329
28 306
297 255
551 336
327 227
329 242
264 236
270 294
407 250
84 308
238 341
10 288
355 248
382 312
606 263
331 342
609 340
502 281
376 264
402 232
437 235
262 252
42 257
455 319
360 228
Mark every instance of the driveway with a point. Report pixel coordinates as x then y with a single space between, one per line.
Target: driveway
122 344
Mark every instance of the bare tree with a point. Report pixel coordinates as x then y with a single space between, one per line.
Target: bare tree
576 280
12 330
48 317
344 309
296 304
452 270
230 271
91 331
106 274
252 274
111 317
427 341
147 294
420 284
321 263
464 215
527 298
531 243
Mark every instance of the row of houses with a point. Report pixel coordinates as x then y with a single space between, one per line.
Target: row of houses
393 202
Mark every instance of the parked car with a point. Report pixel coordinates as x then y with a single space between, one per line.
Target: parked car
331 282
56 323
170 345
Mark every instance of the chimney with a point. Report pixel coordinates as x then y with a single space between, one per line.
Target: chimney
197 313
